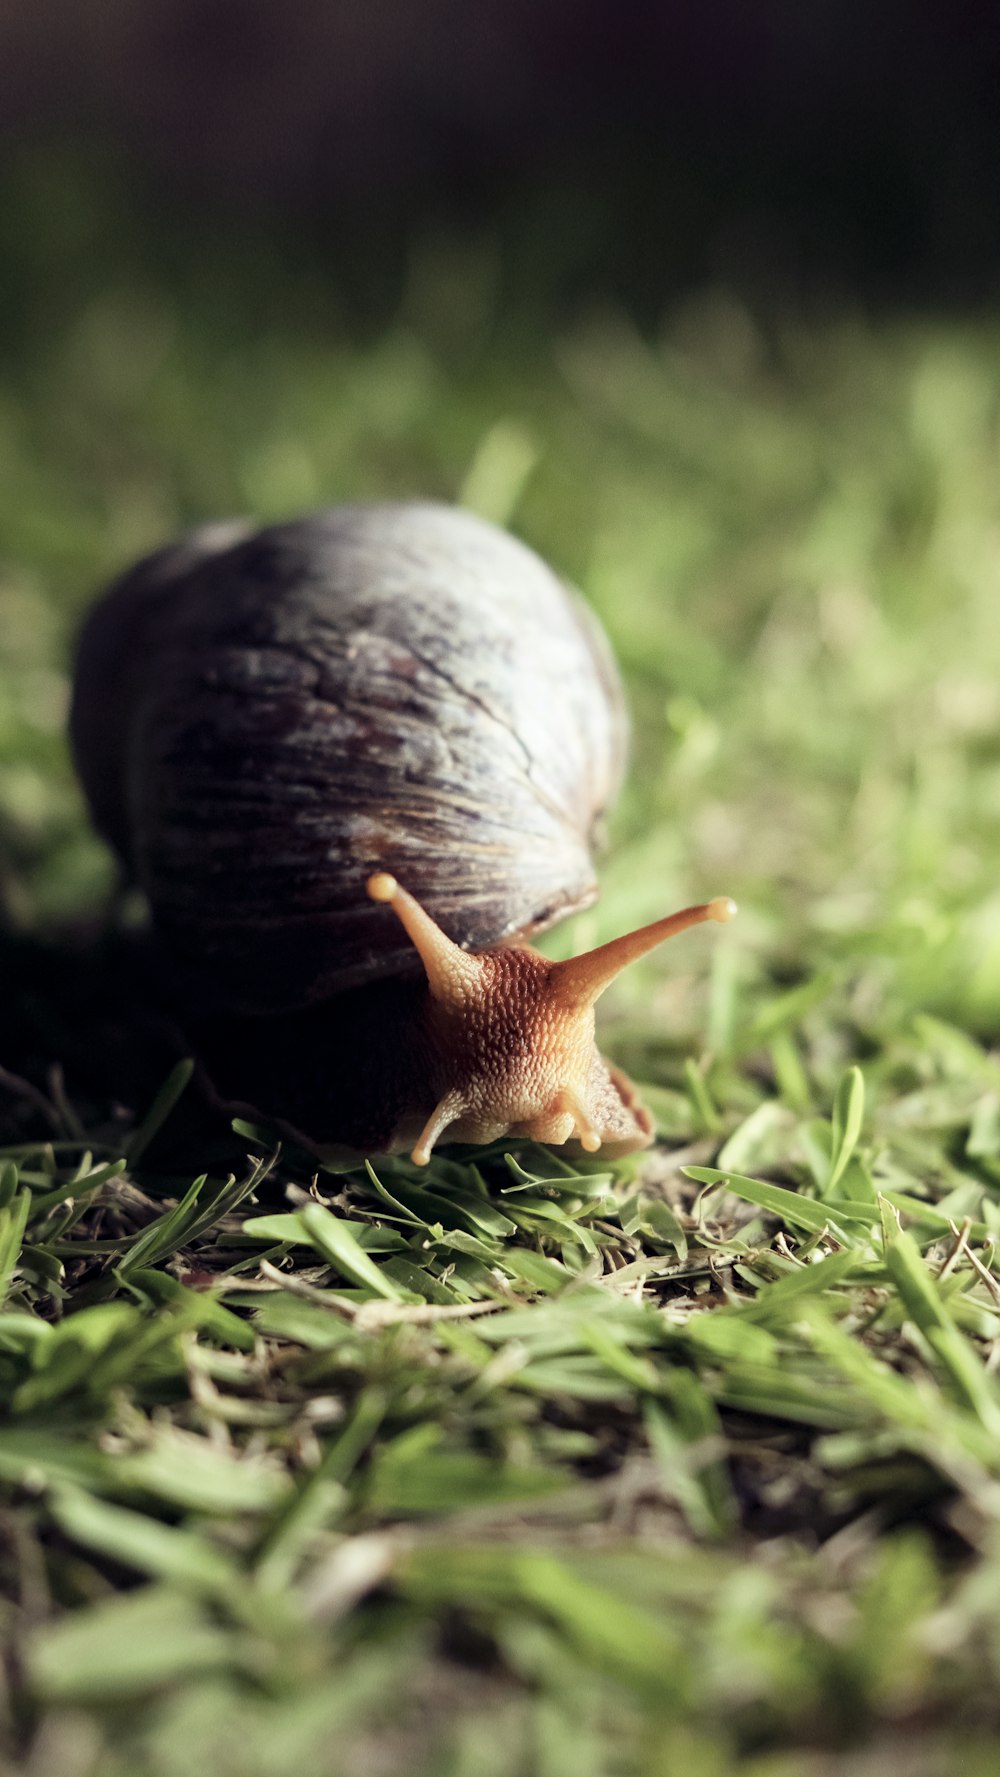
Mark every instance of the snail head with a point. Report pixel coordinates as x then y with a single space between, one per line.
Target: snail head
511 1035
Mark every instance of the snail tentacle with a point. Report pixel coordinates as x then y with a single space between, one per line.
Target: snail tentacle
452 973
582 979
447 1110
572 1103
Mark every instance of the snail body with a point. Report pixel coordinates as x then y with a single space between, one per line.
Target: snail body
393 697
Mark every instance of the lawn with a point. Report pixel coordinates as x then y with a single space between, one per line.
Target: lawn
690 1464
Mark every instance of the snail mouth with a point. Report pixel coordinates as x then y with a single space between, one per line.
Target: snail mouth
630 1125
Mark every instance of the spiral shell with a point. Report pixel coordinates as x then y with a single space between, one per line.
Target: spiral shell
262 719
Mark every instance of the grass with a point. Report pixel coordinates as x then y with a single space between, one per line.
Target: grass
691 1464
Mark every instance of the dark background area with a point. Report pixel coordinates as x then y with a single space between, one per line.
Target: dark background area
819 146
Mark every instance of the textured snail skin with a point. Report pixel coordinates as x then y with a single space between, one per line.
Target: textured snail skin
365 1072
510 1044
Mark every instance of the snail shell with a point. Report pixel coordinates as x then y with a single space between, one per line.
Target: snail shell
261 719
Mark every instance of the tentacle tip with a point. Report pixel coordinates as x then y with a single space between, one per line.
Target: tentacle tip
382 886
420 1156
590 1141
723 908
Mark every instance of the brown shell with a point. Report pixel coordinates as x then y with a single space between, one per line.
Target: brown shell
262 719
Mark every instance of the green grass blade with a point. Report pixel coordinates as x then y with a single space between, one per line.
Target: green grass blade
160 1551
126 1647
333 1237
848 1115
13 1221
923 1301
799 1212
159 1111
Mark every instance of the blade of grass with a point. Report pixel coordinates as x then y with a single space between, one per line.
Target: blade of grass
848 1114
157 1550
333 1238
13 1221
159 1111
800 1212
969 1380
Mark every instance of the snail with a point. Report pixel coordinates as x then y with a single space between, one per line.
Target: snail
355 761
